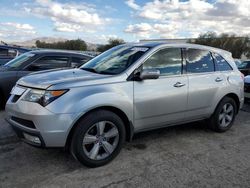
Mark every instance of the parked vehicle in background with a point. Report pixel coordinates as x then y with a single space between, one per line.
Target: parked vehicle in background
8 53
33 61
247 87
244 67
128 89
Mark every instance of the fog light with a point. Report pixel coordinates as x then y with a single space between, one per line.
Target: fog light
31 138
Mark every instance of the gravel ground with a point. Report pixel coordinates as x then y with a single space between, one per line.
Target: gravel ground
189 155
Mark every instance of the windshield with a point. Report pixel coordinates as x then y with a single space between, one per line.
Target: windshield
115 60
243 64
15 63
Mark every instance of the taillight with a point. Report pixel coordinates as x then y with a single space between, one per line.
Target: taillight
243 76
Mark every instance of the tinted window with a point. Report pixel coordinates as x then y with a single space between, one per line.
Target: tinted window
168 61
49 62
79 61
8 53
12 53
3 52
244 65
199 61
222 64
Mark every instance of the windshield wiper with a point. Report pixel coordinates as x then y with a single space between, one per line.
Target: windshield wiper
108 73
90 70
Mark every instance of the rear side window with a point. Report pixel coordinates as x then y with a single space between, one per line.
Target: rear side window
3 52
12 53
199 61
221 63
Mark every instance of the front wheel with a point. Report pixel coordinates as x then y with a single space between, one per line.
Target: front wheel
224 115
98 138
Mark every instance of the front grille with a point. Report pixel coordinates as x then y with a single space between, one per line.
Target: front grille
24 122
247 87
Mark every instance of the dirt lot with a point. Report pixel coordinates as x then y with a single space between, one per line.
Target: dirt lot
183 156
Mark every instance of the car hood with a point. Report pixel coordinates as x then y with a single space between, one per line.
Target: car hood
45 79
247 79
7 73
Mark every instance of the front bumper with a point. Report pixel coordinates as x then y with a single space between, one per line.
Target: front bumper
50 128
22 134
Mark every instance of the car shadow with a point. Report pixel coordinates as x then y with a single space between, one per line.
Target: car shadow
189 127
246 107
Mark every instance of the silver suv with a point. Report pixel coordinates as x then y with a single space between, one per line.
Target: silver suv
130 88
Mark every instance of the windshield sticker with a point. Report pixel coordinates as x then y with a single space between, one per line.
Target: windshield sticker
141 49
29 55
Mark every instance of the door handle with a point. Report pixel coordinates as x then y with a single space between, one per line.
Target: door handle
179 84
218 79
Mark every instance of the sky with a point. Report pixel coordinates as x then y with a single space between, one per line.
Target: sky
98 20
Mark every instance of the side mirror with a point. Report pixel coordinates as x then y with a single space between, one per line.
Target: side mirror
149 74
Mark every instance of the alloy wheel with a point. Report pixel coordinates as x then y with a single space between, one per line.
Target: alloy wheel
226 115
100 140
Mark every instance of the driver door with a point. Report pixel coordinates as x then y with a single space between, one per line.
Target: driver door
161 101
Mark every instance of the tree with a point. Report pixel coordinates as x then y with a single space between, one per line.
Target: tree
111 43
67 45
236 45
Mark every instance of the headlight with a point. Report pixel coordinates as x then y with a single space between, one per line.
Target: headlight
34 95
43 97
50 96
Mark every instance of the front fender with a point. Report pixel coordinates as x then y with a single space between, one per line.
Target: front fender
83 99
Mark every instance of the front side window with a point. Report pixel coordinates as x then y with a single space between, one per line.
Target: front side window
168 61
199 61
221 63
49 62
115 60
79 61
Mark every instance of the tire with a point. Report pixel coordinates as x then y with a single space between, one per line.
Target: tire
224 115
94 145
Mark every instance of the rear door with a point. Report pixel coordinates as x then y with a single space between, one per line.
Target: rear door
204 82
163 100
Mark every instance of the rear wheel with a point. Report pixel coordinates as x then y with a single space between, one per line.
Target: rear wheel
98 138
224 115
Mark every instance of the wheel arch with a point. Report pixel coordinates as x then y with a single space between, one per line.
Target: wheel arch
128 124
234 97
